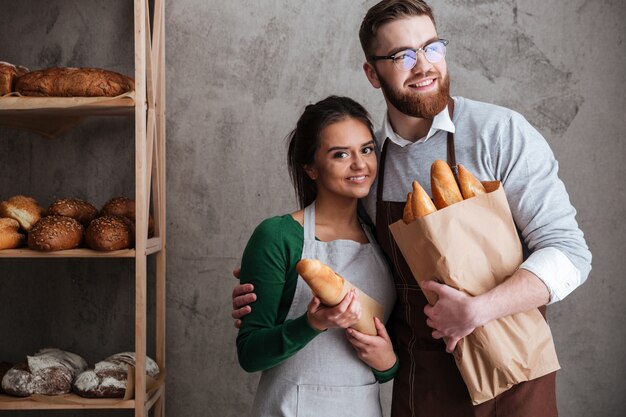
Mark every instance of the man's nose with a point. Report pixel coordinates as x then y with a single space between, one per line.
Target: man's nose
422 65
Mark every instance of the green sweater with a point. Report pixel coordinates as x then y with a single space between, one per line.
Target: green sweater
269 262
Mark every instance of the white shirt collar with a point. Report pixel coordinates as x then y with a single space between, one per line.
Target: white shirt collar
441 121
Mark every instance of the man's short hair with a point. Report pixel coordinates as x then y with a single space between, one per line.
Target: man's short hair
387 11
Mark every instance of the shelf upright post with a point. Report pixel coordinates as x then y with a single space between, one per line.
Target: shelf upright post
141 198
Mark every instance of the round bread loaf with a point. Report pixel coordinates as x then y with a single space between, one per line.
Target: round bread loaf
119 206
109 377
53 233
10 238
48 372
125 207
74 208
23 209
109 233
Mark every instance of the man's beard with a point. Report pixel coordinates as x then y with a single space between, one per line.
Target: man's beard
425 106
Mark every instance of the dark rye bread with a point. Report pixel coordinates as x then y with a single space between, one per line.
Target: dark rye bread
52 233
109 377
73 82
48 372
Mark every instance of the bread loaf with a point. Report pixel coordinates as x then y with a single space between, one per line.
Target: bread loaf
418 204
108 233
8 74
109 377
443 184
470 186
48 372
331 288
73 82
23 209
10 238
75 208
325 283
125 207
52 233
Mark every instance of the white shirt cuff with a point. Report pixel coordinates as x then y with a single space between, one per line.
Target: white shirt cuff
555 269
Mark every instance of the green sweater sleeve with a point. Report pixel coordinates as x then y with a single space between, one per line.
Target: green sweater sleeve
265 338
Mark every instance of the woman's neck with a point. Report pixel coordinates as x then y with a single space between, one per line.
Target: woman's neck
336 218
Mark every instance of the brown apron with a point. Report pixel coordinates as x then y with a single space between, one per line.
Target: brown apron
428 383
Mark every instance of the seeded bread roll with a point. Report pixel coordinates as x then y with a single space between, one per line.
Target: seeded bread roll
73 82
54 233
48 372
23 209
119 206
10 238
75 208
109 233
8 74
109 377
125 207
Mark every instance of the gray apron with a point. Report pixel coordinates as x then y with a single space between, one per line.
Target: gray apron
326 378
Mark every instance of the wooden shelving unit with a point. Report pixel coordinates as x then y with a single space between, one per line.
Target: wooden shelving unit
147 106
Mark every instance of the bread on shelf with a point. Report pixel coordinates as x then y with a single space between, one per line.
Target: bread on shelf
50 371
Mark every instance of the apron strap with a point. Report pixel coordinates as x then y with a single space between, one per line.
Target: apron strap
450 144
309 222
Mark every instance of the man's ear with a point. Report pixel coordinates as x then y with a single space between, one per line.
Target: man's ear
311 171
370 73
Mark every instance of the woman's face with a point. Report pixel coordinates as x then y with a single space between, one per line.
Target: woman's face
345 163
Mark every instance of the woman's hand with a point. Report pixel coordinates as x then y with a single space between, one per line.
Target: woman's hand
343 315
376 351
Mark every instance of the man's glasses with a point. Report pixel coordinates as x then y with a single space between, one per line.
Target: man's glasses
406 59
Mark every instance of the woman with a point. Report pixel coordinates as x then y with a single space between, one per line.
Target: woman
309 365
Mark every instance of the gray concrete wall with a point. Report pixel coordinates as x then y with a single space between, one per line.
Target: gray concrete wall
238 75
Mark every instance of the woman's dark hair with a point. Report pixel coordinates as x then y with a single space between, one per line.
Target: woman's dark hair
305 139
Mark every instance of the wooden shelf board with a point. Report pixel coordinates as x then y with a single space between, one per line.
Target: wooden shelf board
70 253
73 401
11 106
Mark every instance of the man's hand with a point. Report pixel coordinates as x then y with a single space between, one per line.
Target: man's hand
242 297
454 315
376 351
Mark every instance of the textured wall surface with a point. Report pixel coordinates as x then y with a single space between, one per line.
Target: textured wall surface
238 75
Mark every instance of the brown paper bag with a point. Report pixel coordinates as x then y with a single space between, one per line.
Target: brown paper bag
473 246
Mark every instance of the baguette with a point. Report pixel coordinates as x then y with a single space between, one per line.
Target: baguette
418 204
445 189
331 288
470 186
325 283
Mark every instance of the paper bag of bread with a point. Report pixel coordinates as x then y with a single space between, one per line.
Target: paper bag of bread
331 288
470 242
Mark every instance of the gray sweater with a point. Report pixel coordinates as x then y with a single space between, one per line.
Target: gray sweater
496 143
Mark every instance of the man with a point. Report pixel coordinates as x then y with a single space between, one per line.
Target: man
405 58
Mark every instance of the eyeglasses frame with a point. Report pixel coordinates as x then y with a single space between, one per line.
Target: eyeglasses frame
393 56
